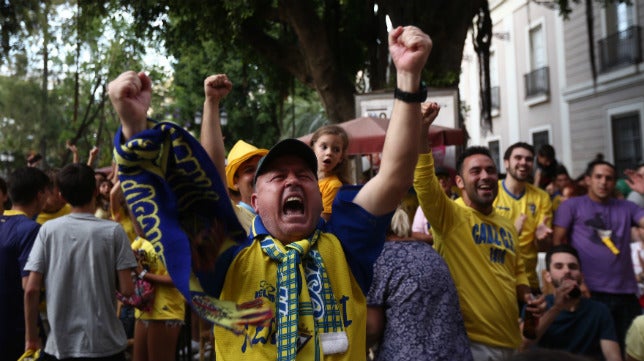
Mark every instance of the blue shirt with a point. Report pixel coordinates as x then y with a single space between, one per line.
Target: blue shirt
17 235
580 331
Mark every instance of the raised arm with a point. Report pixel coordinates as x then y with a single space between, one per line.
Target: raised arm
635 180
215 88
130 94
92 156
72 148
409 48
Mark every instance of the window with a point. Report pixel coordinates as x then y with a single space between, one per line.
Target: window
540 138
537 48
619 17
627 140
537 80
621 45
495 151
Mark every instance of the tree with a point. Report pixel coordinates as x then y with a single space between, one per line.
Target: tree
16 17
70 105
321 43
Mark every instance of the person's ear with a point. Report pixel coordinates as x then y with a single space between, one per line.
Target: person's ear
253 201
459 182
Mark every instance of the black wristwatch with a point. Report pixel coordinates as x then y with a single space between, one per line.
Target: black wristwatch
417 97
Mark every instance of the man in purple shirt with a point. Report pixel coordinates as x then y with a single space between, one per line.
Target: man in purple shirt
599 227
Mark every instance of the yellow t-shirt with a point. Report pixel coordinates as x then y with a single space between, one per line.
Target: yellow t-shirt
253 274
125 222
536 205
556 201
169 304
63 211
482 254
635 339
329 187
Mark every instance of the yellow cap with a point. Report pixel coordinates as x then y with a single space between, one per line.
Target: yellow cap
240 153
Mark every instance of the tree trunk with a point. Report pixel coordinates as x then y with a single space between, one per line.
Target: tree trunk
77 73
590 25
482 39
336 92
44 95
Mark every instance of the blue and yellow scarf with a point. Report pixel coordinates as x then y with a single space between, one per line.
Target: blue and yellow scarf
178 197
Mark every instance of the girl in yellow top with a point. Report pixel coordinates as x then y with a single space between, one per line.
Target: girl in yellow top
156 332
330 144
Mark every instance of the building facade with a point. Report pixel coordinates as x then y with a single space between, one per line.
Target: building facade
544 89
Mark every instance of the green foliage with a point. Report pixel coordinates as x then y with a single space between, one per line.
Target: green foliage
16 18
262 45
447 79
252 110
92 46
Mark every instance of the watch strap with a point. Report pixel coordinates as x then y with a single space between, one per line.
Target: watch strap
417 97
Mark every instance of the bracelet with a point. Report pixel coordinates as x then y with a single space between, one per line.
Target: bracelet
417 97
142 274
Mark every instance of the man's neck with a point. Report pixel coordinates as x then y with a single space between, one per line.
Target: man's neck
514 186
28 210
596 199
86 208
485 209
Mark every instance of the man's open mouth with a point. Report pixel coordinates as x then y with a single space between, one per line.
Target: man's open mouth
293 205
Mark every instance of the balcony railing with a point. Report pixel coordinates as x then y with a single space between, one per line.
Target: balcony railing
537 82
495 94
620 49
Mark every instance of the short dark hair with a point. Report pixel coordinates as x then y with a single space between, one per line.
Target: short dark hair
591 166
562 248
25 183
524 145
561 169
77 184
546 150
468 152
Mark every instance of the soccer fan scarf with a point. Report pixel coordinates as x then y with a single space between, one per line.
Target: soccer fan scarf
176 194
330 337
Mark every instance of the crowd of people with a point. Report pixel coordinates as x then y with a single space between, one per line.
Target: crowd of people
290 261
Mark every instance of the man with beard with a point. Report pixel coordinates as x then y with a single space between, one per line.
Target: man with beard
527 206
480 248
599 226
573 323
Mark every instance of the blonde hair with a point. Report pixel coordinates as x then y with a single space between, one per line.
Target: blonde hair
342 169
399 225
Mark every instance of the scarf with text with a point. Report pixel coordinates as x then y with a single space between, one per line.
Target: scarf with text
176 194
